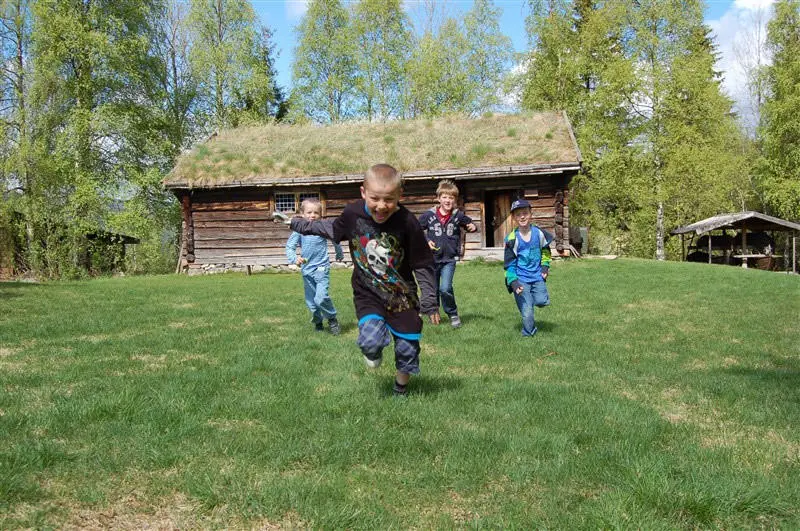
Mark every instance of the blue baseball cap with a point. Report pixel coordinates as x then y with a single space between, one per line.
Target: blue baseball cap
520 203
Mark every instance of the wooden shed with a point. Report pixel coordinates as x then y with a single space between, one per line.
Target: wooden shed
229 185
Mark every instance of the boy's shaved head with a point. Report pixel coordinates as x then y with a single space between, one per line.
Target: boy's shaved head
383 174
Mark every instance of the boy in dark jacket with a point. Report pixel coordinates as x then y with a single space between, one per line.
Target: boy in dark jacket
442 225
526 261
390 257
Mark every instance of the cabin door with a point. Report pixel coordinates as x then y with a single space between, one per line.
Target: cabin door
497 204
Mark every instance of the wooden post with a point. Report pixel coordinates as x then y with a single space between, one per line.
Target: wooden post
744 246
683 247
709 246
794 252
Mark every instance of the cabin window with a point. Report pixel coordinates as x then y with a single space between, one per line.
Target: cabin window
290 202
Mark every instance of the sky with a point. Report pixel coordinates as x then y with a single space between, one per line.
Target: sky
730 21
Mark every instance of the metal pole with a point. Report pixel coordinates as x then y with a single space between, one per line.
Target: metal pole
709 246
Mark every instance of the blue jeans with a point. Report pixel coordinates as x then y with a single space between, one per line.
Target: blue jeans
444 287
315 285
534 294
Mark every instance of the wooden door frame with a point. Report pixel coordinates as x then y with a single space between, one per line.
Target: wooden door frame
493 190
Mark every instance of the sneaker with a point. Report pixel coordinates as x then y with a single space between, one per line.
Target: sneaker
531 334
333 325
318 327
373 361
399 390
455 321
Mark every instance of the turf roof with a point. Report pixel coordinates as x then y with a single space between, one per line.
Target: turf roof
264 154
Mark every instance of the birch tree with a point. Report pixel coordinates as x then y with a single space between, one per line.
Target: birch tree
382 31
780 127
324 69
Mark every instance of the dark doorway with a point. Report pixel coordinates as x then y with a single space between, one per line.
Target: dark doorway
497 206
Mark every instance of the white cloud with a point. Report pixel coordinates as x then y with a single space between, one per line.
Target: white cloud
752 4
737 33
295 9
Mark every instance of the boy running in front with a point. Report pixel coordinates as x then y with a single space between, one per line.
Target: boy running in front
390 256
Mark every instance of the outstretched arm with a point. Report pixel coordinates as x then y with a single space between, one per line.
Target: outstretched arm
319 227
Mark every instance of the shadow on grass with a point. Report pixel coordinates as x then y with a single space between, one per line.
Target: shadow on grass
787 377
13 289
424 385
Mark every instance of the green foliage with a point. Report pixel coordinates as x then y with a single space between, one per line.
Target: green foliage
233 60
661 147
324 69
488 55
382 30
779 168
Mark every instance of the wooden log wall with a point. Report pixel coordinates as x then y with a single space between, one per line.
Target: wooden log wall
235 226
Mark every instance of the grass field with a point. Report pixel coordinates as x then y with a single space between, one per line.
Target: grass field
656 395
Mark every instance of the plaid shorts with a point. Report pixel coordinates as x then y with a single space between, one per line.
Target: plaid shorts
374 335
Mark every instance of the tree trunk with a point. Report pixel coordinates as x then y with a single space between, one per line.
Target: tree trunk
660 231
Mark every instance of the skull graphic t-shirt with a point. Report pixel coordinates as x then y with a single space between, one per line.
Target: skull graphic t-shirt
384 257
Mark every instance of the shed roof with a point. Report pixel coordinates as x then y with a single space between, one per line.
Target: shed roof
750 219
457 147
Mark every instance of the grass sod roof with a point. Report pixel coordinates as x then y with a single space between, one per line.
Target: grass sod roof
278 154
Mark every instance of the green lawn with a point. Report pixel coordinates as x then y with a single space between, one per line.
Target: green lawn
656 395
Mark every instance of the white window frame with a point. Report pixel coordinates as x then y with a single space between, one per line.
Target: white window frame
297 199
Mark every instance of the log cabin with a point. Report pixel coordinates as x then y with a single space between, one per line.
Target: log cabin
229 185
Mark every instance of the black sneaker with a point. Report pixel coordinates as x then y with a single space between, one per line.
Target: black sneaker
399 390
333 325
318 327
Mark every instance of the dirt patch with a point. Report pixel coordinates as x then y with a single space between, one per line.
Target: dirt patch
232 424
7 351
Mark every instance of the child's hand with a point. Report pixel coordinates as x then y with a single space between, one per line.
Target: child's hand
300 261
432 245
471 227
544 276
519 290
280 217
434 317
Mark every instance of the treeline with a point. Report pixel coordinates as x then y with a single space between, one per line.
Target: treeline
662 144
100 97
